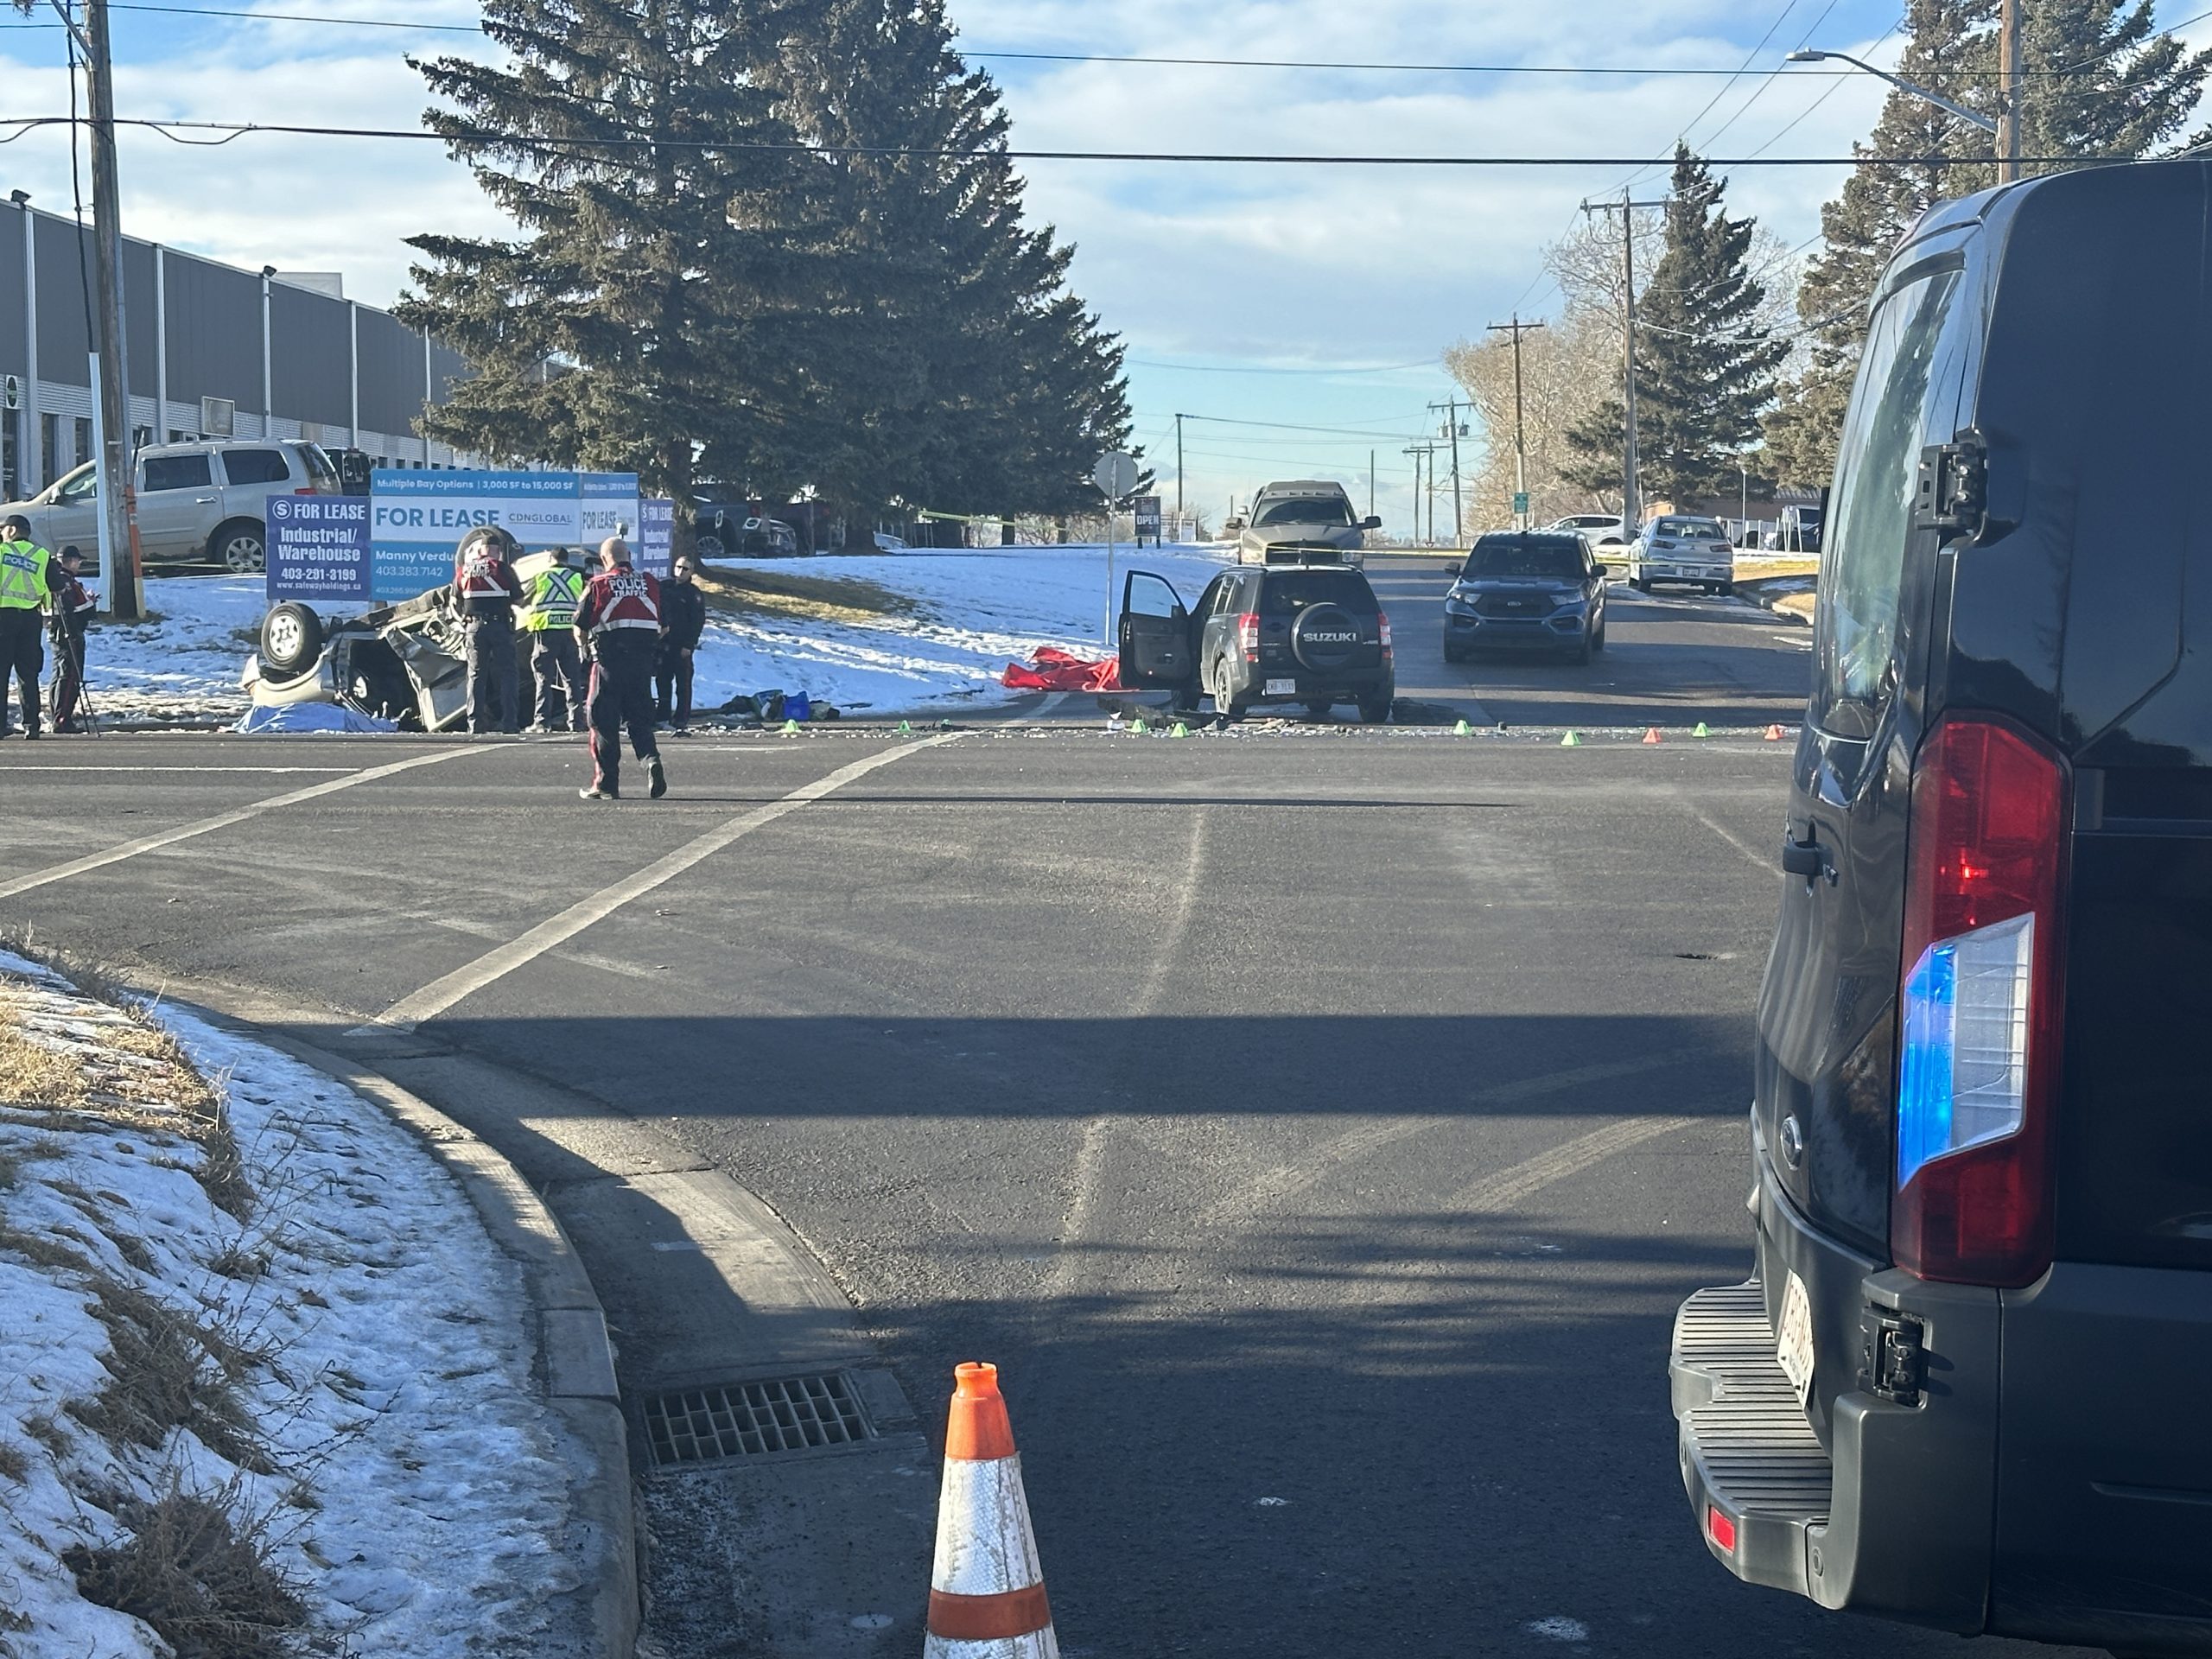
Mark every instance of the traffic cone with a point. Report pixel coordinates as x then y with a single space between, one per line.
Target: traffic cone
1701 731
905 728
1774 734
1570 741
1651 733
987 1590
1460 730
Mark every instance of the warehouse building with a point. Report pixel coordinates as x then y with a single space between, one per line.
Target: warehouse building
215 352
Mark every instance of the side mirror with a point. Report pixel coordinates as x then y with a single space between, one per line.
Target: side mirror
1453 570
1370 523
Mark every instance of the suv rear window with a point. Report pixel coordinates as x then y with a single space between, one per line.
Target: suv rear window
1286 593
255 466
1558 556
321 470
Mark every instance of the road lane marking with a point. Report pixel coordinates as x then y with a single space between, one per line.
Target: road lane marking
11 771
442 993
1504 1188
1765 860
1288 1180
221 821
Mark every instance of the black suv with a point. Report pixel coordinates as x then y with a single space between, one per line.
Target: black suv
1971 1383
1282 634
1525 590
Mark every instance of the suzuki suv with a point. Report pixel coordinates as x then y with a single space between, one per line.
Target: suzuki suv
1313 634
1968 1385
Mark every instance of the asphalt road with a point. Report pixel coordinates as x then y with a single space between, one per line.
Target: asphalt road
1318 1131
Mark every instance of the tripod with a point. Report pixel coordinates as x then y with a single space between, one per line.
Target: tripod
68 660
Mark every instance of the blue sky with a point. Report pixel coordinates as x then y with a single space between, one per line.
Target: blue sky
1301 297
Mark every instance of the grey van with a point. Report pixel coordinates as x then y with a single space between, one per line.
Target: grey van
1969 1384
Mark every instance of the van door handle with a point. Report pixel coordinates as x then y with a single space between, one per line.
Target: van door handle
1806 858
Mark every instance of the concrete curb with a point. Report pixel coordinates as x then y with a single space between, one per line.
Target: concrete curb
1792 606
576 1358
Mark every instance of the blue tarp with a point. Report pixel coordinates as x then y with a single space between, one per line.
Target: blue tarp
308 717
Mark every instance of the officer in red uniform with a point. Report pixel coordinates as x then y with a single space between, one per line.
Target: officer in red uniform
484 588
618 626
69 613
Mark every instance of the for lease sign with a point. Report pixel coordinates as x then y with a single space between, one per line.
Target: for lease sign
416 516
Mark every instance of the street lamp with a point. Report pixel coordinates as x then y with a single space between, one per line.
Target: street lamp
1970 117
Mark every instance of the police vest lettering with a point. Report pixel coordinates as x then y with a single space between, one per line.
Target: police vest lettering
554 597
479 577
23 576
630 602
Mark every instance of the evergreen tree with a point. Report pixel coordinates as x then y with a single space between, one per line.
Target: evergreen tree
612 332
947 366
1704 365
2100 81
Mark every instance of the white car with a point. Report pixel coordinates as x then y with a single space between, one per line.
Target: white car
198 503
1597 529
1693 551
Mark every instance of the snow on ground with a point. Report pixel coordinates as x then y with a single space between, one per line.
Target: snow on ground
182 666
359 1371
974 611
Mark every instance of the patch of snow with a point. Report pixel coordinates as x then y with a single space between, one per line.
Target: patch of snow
184 665
419 1488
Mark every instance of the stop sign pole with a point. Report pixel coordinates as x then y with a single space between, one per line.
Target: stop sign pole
1115 475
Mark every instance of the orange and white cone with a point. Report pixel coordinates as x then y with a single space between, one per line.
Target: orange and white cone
987 1590
1651 733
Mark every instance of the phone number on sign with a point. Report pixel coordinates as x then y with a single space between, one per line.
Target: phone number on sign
328 574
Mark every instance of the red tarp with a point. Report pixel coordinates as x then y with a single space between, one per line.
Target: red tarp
1052 669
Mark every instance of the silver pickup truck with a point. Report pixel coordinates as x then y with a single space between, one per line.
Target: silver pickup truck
1304 521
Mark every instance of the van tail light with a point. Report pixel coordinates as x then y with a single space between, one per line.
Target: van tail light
1248 635
1382 622
1980 1006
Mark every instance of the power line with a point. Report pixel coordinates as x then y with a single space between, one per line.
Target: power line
1231 368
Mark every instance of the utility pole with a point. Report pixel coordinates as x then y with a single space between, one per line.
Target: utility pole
2008 92
1370 483
1451 430
1417 450
1516 328
1631 509
1178 469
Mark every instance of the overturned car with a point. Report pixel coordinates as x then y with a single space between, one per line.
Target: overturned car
405 661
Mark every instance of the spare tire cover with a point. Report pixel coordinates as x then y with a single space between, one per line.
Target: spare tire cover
1324 638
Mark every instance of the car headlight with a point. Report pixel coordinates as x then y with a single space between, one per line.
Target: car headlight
1458 605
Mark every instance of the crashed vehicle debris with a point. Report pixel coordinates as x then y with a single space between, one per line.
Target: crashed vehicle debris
406 662
1305 521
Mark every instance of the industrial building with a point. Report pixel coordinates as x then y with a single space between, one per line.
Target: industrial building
214 352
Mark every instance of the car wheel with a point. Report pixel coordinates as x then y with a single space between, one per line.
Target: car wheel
1453 654
1639 584
1319 707
1225 704
710 547
1375 710
1597 638
238 547
1727 588
291 639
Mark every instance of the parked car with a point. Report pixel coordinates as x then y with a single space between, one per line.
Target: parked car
1305 521
1965 1385
1693 551
1601 529
1797 531
202 503
1521 590
1313 634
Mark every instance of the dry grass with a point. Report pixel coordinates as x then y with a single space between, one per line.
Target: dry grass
753 593
196 1572
166 1370
32 1073
14 1465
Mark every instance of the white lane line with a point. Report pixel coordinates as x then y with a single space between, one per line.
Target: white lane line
1052 700
442 993
1288 1180
1766 861
221 821
11 771
1507 1187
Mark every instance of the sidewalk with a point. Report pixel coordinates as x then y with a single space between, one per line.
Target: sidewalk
264 1371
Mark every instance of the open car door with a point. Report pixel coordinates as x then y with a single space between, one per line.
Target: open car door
1154 634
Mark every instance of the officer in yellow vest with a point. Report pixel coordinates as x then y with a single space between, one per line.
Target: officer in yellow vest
27 582
554 663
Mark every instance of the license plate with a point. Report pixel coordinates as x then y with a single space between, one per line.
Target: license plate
1793 1345
1280 688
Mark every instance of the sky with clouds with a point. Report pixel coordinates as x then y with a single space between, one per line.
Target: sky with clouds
1303 296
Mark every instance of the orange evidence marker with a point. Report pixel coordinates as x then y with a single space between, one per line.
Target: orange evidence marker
1651 733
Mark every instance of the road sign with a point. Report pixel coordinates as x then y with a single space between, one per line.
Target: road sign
1520 504
1115 475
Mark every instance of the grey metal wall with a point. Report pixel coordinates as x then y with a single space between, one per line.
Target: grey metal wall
310 356
215 332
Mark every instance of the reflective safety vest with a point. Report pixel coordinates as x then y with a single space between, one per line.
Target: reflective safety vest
623 598
554 594
23 577
479 573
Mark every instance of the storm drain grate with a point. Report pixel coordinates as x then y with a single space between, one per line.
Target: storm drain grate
752 1419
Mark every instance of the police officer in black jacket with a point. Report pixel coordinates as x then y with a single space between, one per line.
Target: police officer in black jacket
683 614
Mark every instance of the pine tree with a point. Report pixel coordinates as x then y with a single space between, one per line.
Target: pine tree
948 365
2100 81
612 332
1705 366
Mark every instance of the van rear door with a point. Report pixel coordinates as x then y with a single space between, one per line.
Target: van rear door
1826 1085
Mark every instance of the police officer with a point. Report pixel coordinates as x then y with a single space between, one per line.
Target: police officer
618 624
555 666
68 616
683 617
27 582
484 588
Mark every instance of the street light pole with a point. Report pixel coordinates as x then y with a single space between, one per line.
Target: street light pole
1972 118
